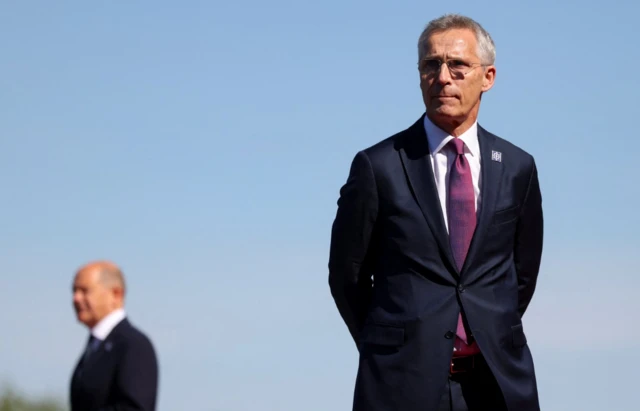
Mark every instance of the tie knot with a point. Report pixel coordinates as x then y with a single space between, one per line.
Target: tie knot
458 145
93 343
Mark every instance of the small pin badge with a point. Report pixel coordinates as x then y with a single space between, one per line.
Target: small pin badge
108 346
496 156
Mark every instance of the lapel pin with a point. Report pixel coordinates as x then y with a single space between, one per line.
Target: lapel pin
496 156
107 346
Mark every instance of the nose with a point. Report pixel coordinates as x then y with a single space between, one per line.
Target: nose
444 75
77 297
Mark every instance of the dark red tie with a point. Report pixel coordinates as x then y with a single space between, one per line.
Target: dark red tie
461 213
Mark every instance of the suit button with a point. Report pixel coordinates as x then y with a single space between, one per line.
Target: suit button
449 335
461 288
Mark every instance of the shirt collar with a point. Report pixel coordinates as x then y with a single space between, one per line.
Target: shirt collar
438 138
107 324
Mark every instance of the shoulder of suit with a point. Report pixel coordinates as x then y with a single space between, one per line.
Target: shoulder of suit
130 334
393 143
506 146
384 145
388 144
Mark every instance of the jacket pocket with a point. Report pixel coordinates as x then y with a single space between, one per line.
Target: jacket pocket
380 334
518 339
506 215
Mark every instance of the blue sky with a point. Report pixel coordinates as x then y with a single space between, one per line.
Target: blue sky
202 145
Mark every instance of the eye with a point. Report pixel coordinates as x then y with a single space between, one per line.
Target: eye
430 65
458 64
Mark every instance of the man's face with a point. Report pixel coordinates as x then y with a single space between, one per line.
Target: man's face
92 299
453 98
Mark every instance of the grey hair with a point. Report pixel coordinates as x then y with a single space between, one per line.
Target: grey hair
486 47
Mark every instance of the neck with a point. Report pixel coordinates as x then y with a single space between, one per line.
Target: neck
458 125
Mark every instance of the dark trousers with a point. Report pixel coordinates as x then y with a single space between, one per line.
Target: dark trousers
474 390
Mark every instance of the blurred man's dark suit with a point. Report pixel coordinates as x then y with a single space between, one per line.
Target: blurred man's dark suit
119 374
389 226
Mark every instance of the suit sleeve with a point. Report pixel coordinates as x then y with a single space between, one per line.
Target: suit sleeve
349 280
528 244
136 380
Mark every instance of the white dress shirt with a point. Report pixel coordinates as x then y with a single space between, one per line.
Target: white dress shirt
442 159
107 324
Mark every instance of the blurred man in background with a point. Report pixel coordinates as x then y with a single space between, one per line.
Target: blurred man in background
118 371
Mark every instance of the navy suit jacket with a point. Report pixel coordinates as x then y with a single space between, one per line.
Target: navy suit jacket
122 375
397 288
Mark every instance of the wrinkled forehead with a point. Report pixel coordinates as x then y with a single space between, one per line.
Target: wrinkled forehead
452 43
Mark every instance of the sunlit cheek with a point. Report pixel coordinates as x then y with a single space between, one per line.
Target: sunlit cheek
87 303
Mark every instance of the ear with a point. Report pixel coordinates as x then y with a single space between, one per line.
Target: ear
489 78
118 293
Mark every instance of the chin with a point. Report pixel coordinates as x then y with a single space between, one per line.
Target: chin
444 114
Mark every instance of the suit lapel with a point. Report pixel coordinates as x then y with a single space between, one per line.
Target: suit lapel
417 164
491 172
104 349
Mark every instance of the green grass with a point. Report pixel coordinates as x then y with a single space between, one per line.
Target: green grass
10 400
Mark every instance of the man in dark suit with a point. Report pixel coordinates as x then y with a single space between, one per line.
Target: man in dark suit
118 370
436 246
